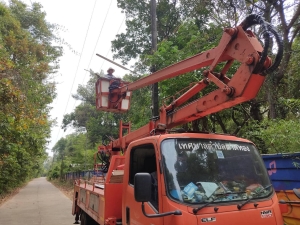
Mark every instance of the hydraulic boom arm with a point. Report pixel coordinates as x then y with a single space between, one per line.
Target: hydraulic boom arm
237 44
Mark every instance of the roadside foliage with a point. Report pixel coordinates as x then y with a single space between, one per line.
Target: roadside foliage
27 60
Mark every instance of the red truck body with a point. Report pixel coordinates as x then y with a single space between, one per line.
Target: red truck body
196 178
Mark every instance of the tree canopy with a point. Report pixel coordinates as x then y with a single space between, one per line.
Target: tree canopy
28 57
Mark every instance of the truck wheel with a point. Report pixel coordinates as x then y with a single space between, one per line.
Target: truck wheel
85 219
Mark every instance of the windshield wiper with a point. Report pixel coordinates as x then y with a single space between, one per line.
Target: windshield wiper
195 210
239 206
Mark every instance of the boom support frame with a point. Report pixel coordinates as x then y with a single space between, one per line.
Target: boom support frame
237 44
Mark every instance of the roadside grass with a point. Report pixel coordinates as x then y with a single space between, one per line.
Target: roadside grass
11 193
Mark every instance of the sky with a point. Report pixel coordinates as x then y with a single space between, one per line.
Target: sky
88 27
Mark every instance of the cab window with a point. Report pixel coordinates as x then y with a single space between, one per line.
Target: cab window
143 160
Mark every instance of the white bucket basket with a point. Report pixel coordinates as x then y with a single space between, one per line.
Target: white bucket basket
111 101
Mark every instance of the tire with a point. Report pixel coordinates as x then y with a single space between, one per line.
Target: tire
85 219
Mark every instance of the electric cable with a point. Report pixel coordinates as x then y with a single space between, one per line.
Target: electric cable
78 64
109 49
95 46
267 30
104 158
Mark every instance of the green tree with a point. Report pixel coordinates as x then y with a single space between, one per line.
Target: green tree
27 59
282 14
71 154
137 39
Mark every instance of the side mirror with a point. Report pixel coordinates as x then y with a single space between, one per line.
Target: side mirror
142 193
297 192
142 187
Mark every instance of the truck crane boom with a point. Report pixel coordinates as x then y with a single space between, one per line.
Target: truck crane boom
155 176
236 45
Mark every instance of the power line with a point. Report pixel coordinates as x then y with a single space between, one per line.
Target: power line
95 46
78 63
109 49
103 24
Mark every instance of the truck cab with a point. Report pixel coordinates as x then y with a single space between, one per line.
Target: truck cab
205 177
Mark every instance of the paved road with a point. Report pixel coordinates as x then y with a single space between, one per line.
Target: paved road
38 203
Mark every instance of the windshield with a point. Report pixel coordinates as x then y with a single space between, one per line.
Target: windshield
201 170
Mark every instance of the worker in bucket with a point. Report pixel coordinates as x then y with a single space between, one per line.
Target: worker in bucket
109 74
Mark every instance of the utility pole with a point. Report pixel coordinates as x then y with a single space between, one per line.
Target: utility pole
85 150
154 49
61 166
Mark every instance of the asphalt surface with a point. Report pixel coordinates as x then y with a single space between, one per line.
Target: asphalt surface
38 203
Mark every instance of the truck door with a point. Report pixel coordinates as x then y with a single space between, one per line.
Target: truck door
141 158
